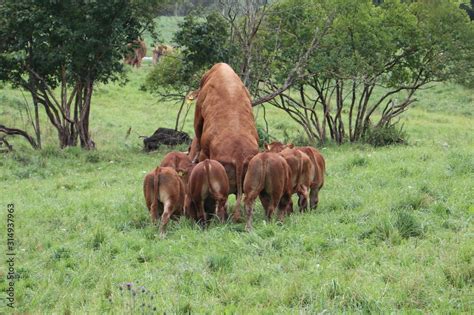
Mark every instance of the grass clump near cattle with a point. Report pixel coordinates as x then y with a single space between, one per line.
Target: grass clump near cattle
392 232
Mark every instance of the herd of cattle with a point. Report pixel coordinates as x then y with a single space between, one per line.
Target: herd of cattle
139 52
224 159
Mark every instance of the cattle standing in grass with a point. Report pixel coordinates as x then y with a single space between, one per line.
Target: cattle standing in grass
139 51
224 125
268 177
208 182
164 192
302 171
180 162
320 168
159 51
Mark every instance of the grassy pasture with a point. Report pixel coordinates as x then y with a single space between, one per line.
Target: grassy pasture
393 231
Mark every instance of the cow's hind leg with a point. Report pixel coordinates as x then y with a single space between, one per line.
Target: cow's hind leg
202 216
221 212
168 210
249 203
303 195
314 197
267 203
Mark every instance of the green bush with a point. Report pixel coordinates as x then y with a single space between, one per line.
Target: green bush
386 135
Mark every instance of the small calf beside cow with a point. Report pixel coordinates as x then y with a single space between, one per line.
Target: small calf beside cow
224 159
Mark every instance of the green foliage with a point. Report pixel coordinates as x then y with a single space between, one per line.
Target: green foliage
202 42
263 136
86 38
373 53
385 135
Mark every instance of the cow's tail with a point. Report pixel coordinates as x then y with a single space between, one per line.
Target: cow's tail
208 176
298 175
261 181
239 182
156 182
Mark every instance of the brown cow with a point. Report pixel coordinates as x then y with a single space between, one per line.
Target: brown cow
224 125
180 162
208 180
320 168
139 51
302 170
163 190
269 177
319 165
160 50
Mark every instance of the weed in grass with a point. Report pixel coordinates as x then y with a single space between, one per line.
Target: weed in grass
358 161
217 263
97 240
408 226
60 253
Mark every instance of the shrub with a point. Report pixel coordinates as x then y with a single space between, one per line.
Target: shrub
263 136
387 135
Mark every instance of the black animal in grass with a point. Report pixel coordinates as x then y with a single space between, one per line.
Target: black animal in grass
165 136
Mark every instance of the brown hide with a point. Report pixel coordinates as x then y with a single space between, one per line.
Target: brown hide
180 162
224 125
139 51
159 51
208 179
164 193
319 164
268 177
302 170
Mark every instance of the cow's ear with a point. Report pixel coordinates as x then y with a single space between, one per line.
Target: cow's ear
267 147
291 145
192 95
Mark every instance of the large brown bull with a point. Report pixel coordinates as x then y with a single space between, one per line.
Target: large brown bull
139 51
224 125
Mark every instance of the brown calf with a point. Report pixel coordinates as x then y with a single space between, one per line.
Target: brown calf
164 191
208 184
320 168
302 170
269 177
180 162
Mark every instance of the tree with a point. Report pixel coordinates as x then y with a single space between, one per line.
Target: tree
58 51
370 64
202 42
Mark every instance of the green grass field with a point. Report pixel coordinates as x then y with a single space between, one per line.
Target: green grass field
393 231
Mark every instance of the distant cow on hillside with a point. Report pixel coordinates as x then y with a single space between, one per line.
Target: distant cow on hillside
159 51
139 51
